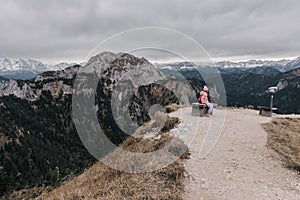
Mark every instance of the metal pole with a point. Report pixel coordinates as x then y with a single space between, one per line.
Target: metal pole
271 104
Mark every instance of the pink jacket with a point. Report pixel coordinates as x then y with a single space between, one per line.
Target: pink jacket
203 99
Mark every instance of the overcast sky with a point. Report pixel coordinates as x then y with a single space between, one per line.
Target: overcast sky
55 31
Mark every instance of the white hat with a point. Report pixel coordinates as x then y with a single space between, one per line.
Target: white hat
205 88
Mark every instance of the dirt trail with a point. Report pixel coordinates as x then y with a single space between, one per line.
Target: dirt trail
240 165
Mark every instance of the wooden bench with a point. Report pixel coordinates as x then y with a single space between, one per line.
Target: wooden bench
199 109
265 111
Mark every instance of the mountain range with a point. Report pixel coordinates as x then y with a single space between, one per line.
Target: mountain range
26 68
237 67
258 76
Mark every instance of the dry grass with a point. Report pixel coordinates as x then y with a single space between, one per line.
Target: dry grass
26 193
284 138
102 182
172 107
3 140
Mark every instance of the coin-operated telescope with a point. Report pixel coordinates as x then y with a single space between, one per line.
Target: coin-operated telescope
272 90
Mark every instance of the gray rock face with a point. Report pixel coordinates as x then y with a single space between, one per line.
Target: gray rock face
31 90
131 86
123 66
12 87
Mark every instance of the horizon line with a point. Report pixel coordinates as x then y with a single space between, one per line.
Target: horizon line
234 59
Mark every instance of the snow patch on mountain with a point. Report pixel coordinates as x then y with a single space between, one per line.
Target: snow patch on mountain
7 65
27 68
281 65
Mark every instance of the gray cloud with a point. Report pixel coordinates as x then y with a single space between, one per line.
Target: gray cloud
68 30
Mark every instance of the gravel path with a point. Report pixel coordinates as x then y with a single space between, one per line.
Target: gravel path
240 166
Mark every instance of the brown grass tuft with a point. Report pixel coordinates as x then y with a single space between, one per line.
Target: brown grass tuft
284 138
102 182
3 140
172 107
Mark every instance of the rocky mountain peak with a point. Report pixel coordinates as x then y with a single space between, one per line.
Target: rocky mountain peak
123 66
121 59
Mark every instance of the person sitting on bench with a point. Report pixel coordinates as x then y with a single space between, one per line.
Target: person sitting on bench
203 99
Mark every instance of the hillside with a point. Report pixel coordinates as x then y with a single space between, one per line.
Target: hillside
251 89
168 180
40 146
39 143
102 182
245 88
